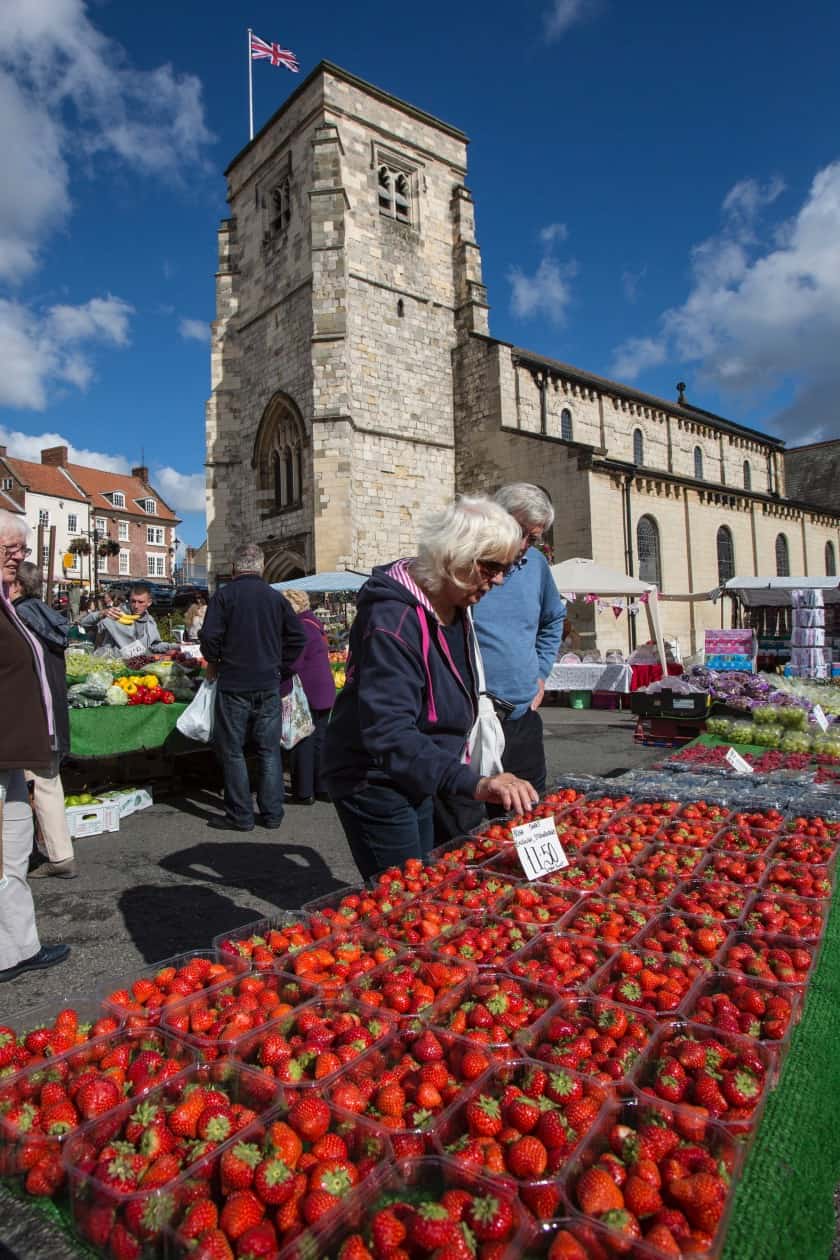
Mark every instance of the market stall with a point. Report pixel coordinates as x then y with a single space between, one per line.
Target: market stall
765 604
586 676
584 579
369 1099
336 606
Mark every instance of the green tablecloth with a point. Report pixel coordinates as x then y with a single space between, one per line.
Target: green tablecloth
714 741
108 731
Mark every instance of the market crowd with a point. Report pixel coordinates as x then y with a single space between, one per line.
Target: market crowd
437 724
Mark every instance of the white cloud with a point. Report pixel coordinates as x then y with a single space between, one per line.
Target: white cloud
565 14
194 330
553 232
636 355
182 491
630 281
41 348
29 446
763 311
546 292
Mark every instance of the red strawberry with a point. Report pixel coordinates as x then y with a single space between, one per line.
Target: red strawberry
213 1245
430 1227
310 1117
238 1164
199 1217
241 1211
527 1158
596 1192
490 1218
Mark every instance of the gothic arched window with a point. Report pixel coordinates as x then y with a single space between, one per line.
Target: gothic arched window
638 447
566 424
782 556
747 475
647 545
278 457
830 560
725 554
698 463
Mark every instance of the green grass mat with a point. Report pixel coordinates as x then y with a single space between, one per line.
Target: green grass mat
784 1202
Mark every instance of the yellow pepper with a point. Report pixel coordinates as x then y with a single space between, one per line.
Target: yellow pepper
150 680
130 688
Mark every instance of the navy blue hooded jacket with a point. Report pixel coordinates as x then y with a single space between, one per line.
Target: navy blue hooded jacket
404 716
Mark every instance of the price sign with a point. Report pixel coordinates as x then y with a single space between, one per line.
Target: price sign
538 848
820 718
131 650
737 762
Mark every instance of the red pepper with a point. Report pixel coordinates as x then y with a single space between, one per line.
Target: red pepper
168 697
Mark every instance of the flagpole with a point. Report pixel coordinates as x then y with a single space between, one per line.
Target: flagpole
250 86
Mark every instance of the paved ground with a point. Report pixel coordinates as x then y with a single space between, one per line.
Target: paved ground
166 883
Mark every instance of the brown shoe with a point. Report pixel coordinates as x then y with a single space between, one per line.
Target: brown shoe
61 870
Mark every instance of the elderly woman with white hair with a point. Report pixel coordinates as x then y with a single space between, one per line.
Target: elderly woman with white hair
27 740
399 730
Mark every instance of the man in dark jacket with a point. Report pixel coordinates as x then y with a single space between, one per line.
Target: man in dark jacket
51 628
250 639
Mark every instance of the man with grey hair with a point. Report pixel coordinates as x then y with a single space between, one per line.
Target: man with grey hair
251 637
520 627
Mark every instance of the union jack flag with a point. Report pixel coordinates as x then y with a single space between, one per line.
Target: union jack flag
278 56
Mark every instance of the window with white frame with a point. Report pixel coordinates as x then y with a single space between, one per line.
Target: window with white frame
101 524
72 523
125 563
150 506
102 564
6 483
118 498
45 556
122 531
44 518
155 536
155 566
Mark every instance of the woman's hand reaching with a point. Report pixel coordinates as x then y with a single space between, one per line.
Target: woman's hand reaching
512 794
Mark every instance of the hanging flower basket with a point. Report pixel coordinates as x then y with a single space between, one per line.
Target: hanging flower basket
79 547
109 548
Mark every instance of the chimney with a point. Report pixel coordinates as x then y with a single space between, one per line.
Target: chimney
2 450
141 472
56 457
681 393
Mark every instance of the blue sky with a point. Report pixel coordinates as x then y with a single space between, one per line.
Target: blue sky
657 190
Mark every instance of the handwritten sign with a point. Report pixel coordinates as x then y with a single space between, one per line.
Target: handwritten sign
737 762
538 848
820 718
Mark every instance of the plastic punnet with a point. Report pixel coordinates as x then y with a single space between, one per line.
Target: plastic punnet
747 870
750 1066
34 1127
567 1105
639 889
799 879
774 1030
663 860
694 936
411 986
420 923
634 1113
801 918
559 960
767 957
493 1207
493 1008
541 904
593 1036
215 1020
266 942
106 1200
660 984
607 919
79 1017
485 940
354 906
184 974
311 1046
710 898
331 964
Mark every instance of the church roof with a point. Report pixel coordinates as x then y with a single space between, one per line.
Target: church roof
329 67
686 410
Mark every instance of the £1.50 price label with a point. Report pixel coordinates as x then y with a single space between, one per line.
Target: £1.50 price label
538 848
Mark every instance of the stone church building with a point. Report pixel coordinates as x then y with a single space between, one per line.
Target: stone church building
355 384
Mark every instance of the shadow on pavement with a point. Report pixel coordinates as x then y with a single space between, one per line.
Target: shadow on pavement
163 921
284 875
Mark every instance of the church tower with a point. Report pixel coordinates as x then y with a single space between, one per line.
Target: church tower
348 275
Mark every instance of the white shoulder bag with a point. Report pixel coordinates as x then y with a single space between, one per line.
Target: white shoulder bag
486 743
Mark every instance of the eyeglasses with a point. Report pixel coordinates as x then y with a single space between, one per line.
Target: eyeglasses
533 537
16 549
493 569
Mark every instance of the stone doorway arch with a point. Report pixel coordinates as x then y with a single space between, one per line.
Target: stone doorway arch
283 564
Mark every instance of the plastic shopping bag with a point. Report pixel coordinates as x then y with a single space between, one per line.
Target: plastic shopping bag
196 722
296 718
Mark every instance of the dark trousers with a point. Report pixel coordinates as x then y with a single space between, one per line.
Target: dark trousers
254 716
384 829
305 758
524 753
456 816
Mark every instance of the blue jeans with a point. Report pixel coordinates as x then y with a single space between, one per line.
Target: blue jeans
384 829
241 716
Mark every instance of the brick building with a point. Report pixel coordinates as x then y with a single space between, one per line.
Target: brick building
356 385
122 508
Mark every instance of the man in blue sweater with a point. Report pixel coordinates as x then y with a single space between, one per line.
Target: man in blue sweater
251 638
519 626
